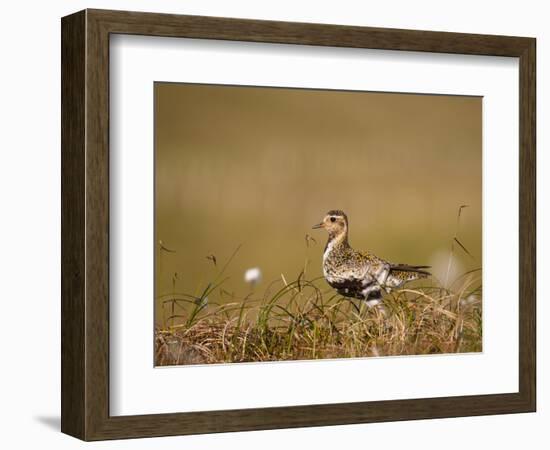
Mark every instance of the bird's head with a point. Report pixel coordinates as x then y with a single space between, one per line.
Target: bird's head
335 222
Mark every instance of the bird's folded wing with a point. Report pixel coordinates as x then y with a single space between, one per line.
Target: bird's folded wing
371 258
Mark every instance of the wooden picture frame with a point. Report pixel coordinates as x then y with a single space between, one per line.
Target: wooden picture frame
85 224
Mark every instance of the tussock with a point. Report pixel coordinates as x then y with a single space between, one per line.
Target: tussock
304 320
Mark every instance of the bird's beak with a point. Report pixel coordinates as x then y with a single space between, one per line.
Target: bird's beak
319 225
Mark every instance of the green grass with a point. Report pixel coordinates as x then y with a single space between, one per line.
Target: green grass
305 319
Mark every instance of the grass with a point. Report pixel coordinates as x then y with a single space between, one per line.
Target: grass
305 319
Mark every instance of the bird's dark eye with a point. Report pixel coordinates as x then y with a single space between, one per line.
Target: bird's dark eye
333 219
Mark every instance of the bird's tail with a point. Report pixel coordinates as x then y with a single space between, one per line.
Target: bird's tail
406 272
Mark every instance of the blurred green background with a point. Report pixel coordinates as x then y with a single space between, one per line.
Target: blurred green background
259 166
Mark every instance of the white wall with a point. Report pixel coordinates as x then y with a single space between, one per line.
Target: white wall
30 229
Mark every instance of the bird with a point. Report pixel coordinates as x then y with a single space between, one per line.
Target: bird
360 275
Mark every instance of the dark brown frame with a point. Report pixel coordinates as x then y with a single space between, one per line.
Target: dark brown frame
85 224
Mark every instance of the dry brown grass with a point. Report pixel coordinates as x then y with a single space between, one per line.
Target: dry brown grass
305 320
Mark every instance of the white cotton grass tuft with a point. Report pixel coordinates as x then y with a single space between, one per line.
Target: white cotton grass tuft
253 276
470 300
446 267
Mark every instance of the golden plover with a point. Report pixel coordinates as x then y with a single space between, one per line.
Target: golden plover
356 274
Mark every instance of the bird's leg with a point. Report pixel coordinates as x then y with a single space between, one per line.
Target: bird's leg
357 308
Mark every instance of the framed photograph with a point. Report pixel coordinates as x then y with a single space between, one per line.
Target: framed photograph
273 225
